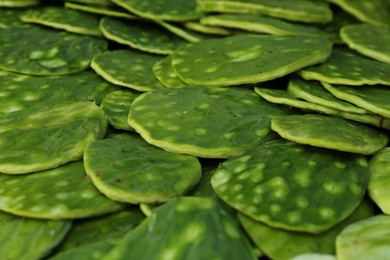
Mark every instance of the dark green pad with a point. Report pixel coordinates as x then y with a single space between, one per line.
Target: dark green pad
292 186
95 2
101 10
10 18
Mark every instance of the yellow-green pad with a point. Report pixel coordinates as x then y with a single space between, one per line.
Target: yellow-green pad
182 32
366 239
166 10
347 67
116 106
26 238
204 122
380 179
43 51
207 29
369 40
247 58
18 92
293 186
128 68
43 138
277 243
330 132
299 11
95 2
60 193
128 169
186 228
142 35
163 71
65 19
101 10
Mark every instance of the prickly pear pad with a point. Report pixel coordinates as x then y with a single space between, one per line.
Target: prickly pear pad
186 228
128 169
10 18
46 137
347 67
128 68
204 122
25 238
164 73
42 51
330 132
101 10
247 58
60 193
142 35
19 3
366 239
292 186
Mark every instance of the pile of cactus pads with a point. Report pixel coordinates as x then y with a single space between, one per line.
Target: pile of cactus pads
194 129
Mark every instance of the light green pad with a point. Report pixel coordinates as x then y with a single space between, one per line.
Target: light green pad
258 24
128 169
10 18
128 68
330 132
168 10
207 29
163 71
102 10
347 67
182 32
292 186
366 239
314 256
116 106
372 98
185 228
18 92
282 244
204 122
300 11
60 193
65 19
369 40
42 51
19 3
247 58
143 35
378 188
314 92
374 12
24 238
43 138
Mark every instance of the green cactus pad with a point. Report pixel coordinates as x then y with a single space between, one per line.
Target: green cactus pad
374 12
18 92
95 2
19 3
366 239
258 24
128 68
116 106
168 10
314 92
10 18
186 228
330 132
42 51
43 138
292 186
60 193
302 11
314 256
380 179
101 10
372 98
182 32
369 40
65 19
347 67
282 244
283 97
166 75
143 35
207 29
25 238
247 58
128 169
204 122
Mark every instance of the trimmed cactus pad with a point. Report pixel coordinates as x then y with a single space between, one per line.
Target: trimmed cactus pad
330 132
292 186
204 122
101 10
186 228
247 58
166 75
